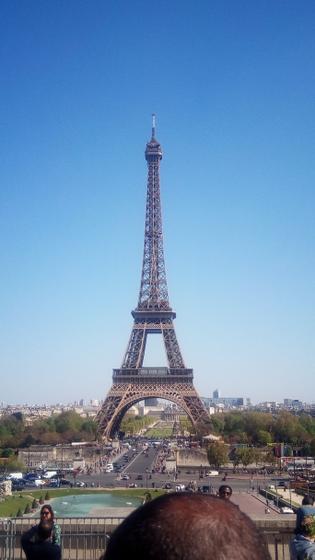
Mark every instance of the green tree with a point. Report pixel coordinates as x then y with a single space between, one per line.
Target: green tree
245 455
218 423
217 454
263 437
68 421
234 457
7 452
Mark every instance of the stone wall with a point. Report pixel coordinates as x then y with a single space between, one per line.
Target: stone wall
192 458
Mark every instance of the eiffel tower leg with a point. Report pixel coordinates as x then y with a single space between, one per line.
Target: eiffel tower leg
173 352
136 348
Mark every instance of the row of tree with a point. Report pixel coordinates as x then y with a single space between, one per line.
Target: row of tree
219 454
60 428
261 429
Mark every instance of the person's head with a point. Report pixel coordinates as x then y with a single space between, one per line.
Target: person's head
44 530
307 500
47 513
225 492
185 526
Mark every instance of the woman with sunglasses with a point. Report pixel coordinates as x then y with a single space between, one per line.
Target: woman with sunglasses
47 514
43 540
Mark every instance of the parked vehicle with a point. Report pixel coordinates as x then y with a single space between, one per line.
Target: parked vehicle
65 482
212 473
286 509
15 476
17 485
50 474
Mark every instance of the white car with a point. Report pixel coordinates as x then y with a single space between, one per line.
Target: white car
212 473
286 509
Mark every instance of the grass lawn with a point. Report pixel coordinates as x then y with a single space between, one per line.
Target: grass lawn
10 506
159 433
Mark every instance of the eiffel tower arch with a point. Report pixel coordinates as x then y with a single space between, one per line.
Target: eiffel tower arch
132 382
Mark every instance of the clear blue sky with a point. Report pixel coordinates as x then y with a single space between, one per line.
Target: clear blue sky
232 84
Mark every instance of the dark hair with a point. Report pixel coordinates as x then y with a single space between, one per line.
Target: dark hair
44 530
187 526
308 500
50 509
225 488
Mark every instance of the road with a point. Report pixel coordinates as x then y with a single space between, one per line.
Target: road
135 464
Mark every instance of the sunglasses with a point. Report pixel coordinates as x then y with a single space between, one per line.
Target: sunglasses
45 512
224 493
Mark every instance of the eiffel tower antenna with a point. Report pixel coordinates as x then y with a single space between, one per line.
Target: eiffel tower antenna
153 126
132 382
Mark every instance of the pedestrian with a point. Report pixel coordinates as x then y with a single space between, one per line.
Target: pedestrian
307 508
302 547
225 492
47 514
39 545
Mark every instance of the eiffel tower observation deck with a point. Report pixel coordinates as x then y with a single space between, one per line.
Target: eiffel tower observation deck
153 315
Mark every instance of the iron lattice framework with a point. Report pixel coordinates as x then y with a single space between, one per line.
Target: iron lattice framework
153 314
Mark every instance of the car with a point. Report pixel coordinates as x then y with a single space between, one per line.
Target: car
282 483
286 509
125 477
65 482
212 473
167 486
204 489
18 485
139 477
132 485
80 484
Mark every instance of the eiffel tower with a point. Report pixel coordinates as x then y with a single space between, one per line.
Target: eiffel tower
153 314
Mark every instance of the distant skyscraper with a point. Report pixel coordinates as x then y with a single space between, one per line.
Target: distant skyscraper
216 394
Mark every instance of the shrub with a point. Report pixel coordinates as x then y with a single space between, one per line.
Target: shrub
41 500
47 496
27 509
19 513
34 504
